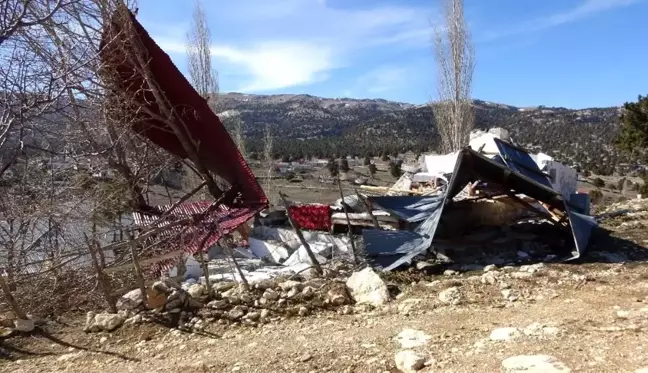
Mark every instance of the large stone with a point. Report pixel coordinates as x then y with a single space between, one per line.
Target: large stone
131 300
176 299
504 334
338 295
290 284
450 296
236 313
24 326
490 278
197 291
265 284
408 361
270 295
411 338
223 286
103 322
366 287
533 364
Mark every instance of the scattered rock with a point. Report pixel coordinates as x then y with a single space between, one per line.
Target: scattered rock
236 313
408 305
538 330
623 314
270 295
346 310
411 338
510 295
303 311
490 268
504 334
308 292
254 316
338 295
264 314
450 272
103 322
489 278
24 326
367 287
293 293
197 291
137 319
289 285
305 357
408 361
532 268
131 300
265 285
521 275
641 370
223 286
450 296
533 364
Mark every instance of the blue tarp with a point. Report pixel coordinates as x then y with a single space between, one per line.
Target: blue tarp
520 161
411 209
390 249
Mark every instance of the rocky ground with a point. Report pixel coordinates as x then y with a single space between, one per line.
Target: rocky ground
537 317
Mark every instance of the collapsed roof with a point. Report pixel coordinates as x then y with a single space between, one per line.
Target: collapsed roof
157 86
512 171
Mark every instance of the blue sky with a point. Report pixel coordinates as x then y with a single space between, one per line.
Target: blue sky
571 53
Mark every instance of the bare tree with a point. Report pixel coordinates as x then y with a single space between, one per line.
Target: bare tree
268 159
455 59
234 124
203 76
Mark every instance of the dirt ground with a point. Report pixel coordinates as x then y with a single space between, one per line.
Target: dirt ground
597 310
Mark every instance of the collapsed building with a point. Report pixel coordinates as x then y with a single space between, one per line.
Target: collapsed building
447 207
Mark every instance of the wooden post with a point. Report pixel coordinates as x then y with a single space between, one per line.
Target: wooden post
369 209
312 257
103 284
138 269
346 212
225 242
11 300
203 263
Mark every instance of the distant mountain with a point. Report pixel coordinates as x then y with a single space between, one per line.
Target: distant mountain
307 125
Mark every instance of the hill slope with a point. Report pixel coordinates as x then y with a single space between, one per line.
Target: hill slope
306 125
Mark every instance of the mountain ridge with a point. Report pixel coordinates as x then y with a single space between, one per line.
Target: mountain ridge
306 125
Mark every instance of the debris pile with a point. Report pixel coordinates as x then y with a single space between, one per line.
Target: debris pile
229 303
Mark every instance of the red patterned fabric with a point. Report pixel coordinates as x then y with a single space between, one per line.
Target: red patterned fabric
215 148
314 217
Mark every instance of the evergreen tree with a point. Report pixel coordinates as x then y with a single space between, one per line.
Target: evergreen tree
372 170
344 165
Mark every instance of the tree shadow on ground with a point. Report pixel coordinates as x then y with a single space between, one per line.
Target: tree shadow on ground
12 352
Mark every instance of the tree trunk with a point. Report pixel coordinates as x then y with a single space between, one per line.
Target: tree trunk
316 264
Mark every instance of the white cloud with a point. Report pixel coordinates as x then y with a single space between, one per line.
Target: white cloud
270 46
383 79
271 65
586 9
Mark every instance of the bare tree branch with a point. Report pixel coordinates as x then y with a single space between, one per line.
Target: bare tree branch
455 58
